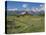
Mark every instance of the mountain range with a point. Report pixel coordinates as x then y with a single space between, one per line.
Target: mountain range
22 12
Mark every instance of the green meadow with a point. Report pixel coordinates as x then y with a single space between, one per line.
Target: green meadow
25 24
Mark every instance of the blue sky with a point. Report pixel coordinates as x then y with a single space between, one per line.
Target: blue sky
23 5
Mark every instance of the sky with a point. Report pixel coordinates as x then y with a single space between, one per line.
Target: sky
15 5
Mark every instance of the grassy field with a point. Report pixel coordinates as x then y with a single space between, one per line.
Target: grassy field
25 24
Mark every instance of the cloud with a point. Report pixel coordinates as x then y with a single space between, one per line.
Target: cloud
37 9
24 5
41 5
33 9
12 9
41 8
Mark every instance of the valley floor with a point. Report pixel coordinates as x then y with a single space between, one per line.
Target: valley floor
25 24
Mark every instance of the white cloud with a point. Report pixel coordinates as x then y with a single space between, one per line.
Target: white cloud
13 9
41 5
38 9
27 9
24 5
33 9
